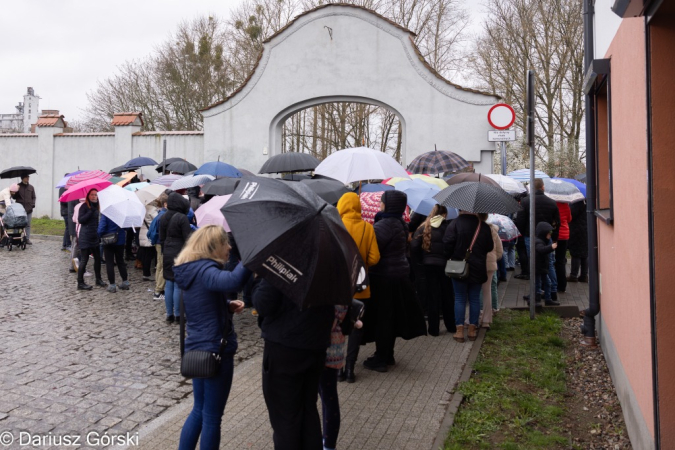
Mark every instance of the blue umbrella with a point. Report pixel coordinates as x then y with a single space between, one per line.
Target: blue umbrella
420 195
140 162
218 169
581 186
374 187
133 187
65 179
524 174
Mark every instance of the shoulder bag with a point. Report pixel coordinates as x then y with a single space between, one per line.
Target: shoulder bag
109 239
459 270
198 363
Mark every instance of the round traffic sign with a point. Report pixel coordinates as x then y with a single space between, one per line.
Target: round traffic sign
501 116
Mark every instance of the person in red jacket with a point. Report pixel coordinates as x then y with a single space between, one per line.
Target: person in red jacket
561 250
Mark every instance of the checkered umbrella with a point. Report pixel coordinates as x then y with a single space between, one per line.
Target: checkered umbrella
88 175
438 161
477 198
562 191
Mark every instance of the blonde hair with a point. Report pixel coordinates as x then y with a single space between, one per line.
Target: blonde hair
203 244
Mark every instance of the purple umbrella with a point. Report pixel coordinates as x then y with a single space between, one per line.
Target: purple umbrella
209 213
166 180
65 179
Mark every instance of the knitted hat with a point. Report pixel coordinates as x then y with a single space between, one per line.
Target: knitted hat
14 188
394 201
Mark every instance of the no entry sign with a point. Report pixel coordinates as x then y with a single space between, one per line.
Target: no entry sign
501 116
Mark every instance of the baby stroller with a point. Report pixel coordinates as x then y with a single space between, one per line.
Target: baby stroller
13 227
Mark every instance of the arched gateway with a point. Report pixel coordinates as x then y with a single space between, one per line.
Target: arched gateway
339 52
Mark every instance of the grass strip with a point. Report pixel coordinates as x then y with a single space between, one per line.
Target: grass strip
50 227
515 397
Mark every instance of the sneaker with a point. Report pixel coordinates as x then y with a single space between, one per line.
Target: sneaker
158 296
112 289
83 287
125 285
101 283
170 319
87 274
147 278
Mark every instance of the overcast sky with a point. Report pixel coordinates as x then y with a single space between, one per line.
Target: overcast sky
63 48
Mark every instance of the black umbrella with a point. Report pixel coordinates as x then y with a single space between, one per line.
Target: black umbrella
329 190
245 172
295 240
289 162
120 169
221 186
295 177
168 161
181 166
477 198
17 172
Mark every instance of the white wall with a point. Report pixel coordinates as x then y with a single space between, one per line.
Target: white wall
605 26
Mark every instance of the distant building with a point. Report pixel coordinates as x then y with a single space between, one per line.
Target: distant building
26 114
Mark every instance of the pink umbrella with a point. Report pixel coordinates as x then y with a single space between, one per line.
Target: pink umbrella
88 175
81 189
370 205
209 213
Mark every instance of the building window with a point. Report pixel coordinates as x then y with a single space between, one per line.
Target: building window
29 116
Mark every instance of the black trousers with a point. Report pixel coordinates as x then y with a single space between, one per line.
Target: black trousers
354 344
561 265
114 255
441 299
523 257
290 382
579 267
385 331
145 254
421 284
129 242
84 259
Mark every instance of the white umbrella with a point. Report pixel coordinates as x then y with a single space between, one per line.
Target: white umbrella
150 193
510 185
359 164
122 207
188 182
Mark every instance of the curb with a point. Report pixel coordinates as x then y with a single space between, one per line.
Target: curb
46 237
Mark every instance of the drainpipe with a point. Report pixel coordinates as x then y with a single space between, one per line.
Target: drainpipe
588 328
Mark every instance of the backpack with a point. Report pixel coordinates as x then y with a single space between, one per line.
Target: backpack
153 229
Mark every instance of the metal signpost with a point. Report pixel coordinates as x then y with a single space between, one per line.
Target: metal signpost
501 116
530 142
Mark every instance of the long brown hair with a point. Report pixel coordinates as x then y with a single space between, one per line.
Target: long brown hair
439 210
98 204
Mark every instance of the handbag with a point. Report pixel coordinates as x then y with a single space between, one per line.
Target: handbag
109 239
198 363
354 313
459 270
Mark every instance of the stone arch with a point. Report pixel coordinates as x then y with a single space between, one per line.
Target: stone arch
340 51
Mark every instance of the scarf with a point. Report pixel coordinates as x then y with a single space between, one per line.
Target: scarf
436 221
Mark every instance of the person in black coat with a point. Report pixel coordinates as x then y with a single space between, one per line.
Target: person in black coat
65 246
293 360
427 249
88 218
578 243
174 231
457 240
392 310
544 248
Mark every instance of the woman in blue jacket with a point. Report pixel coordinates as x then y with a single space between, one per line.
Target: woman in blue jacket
199 272
114 253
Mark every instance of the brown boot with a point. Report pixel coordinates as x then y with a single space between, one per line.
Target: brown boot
459 335
473 333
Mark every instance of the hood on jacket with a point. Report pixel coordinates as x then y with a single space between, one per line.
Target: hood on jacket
543 229
349 206
178 203
395 202
187 273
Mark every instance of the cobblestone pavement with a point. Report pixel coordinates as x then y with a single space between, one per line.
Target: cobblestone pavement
74 362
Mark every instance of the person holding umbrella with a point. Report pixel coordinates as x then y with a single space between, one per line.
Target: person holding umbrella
113 252
88 219
26 197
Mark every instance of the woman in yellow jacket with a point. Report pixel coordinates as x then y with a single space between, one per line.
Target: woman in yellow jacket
363 234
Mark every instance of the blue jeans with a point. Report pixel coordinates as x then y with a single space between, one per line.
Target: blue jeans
553 279
172 299
466 292
509 257
543 283
210 396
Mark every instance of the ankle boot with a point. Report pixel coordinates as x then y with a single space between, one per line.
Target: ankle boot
82 286
349 373
459 334
341 375
100 282
572 279
473 333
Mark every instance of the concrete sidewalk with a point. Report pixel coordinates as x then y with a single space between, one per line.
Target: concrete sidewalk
400 409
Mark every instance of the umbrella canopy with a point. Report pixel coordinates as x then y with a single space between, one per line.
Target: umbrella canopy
166 180
221 186
474 177
289 162
218 169
120 169
81 189
246 172
477 198
188 182
168 161
65 179
122 207
181 167
297 241
507 183
87 175
524 175
17 172
374 187
295 177
126 179
438 162
562 191
359 164
133 187
507 229
139 162
150 193
210 212
581 177
438 182
329 190
420 195
581 186
370 206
